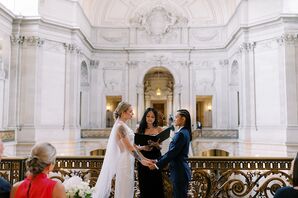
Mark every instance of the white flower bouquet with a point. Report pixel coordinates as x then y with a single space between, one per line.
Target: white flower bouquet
75 187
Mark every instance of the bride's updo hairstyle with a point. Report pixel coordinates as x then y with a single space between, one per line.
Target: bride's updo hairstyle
122 107
42 155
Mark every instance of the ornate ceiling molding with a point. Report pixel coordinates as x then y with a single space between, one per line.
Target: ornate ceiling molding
158 21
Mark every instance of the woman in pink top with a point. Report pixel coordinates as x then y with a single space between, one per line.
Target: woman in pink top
37 184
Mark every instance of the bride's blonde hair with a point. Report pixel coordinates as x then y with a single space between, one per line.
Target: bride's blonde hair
122 107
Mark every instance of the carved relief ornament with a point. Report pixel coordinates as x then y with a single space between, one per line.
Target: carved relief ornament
158 21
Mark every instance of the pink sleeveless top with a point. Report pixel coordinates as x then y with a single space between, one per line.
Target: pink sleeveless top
41 186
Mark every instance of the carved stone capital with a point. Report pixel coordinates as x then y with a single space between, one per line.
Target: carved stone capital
247 47
34 41
26 40
16 39
94 64
289 38
133 63
72 48
224 62
178 88
140 88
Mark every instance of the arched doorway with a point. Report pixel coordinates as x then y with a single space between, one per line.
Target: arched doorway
158 93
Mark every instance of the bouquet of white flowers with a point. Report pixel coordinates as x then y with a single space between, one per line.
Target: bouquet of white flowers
75 187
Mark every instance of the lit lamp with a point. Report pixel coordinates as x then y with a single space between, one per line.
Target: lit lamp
158 92
209 107
108 107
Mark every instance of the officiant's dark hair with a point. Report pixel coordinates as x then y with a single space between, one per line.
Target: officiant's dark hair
295 171
143 123
185 113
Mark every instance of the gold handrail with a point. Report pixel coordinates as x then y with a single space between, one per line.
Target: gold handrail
211 176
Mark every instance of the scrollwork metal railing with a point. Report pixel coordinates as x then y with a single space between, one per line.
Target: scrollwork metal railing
211 176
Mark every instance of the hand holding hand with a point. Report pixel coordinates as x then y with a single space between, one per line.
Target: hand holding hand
154 144
153 166
147 162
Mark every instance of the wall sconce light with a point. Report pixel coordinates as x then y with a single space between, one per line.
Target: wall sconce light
108 107
209 107
158 92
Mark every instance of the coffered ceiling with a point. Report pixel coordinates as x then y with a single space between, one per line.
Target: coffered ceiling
117 13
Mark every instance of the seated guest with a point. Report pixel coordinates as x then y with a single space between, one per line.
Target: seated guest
289 191
37 184
4 185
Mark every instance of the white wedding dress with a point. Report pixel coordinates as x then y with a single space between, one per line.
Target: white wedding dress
118 161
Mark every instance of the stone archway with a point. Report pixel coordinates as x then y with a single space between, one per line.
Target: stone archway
158 92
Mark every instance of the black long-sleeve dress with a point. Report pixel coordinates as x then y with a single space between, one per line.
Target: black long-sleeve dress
150 181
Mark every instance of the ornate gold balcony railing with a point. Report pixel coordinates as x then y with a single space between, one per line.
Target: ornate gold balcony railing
211 176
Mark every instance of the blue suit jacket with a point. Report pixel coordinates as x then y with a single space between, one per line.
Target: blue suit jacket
177 157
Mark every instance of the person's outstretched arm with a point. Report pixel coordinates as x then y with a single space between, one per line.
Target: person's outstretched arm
122 134
178 143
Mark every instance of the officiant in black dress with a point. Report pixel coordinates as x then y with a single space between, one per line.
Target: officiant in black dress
150 182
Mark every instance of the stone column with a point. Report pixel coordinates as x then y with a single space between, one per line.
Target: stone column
72 91
26 59
14 78
94 102
140 102
169 105
247 98
177 97
248 92
2 93
147 101
288 44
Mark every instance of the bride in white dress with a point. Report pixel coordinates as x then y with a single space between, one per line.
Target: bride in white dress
119 158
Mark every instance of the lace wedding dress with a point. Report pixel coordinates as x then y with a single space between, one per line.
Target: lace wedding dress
118 161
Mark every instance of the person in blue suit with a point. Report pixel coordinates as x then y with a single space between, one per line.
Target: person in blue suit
290 191
177 156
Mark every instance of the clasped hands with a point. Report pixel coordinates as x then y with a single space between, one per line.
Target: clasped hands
151 164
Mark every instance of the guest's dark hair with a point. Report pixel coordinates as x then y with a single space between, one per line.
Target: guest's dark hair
295 171
185 113
143 124
42 155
